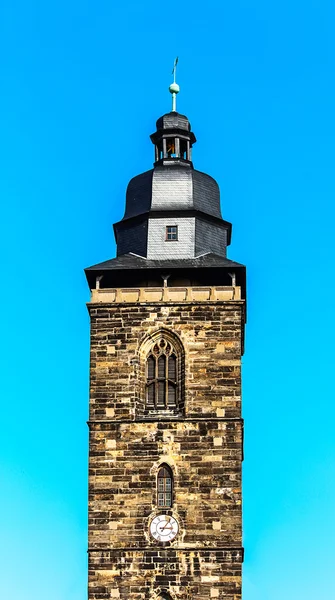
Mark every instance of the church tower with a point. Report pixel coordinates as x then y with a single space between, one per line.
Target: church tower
166 433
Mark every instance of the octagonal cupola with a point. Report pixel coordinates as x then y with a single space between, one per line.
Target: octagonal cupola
173 210
173 140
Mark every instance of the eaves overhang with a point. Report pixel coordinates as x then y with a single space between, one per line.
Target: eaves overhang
129 266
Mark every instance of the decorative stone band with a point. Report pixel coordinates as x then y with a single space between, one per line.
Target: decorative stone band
228 553
166 294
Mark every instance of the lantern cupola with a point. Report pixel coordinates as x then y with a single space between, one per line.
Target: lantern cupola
173 140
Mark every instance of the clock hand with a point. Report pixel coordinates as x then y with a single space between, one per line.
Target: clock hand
165 526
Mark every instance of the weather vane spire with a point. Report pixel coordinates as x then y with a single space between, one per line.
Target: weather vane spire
174 87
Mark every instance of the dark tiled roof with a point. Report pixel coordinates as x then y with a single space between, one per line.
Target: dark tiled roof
175 188
132 261
173 120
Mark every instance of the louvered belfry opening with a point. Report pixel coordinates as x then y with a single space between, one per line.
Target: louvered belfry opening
164 486
162 376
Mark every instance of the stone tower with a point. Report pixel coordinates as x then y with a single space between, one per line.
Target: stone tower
166 433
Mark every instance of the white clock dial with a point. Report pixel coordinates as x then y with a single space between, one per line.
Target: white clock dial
164 528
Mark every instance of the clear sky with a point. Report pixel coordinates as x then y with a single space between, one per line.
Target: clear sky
82 84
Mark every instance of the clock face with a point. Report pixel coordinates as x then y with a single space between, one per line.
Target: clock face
164 528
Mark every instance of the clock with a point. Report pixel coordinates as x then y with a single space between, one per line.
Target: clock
164 528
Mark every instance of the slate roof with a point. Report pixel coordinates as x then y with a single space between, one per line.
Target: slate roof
132 261
173 120
175 188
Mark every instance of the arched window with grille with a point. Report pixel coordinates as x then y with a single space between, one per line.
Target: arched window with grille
164 486
162 380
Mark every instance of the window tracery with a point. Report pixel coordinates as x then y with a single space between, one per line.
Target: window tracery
162 376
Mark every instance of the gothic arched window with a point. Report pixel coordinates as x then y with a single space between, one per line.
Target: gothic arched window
164 486
162 376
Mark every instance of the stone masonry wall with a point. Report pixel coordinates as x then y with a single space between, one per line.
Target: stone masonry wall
211 334
203 447
183 574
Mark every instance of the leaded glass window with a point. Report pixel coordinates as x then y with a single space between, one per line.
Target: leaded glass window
164 487
162 376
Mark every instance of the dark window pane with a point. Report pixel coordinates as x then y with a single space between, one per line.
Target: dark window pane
172 368
161 367
160 484
168 484
151 394
171 232
168 499
161 394
172 394
161 500
151 367
163 472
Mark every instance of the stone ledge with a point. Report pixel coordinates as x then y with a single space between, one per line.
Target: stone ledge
198 419
166 294
233 552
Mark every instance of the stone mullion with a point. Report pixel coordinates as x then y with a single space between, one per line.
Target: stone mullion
178 380
156 383
166 381
165 503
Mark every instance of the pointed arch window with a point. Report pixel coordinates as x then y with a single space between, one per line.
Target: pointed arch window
164 486
162 376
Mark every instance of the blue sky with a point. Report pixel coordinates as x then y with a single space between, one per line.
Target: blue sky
82 84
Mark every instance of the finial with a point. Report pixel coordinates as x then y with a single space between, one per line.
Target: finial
174 87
